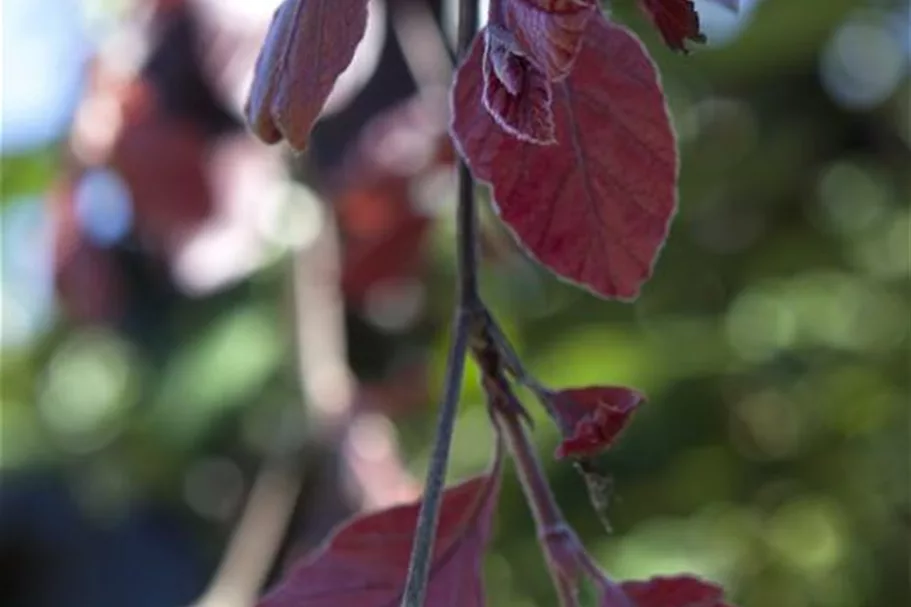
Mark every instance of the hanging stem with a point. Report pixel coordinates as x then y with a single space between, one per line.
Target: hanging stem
557 539
565 556
464 327
429 513
467 214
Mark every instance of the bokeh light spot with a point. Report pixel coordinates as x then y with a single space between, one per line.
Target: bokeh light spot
808 533
760 324
87 390
213 487
104 207
863 63
851 198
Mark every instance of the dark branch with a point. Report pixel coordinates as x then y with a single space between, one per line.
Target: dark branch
464 327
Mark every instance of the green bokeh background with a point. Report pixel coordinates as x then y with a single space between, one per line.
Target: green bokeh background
773 344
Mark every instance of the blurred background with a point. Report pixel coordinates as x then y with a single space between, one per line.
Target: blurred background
212 351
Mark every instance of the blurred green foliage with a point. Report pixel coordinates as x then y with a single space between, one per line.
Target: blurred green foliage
773 343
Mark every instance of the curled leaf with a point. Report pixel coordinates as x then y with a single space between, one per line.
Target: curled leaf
516 92
366 561
547 31
595 207
591 418
309 45
677 591
676 20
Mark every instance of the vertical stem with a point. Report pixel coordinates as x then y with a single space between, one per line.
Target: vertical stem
541 499
429 513
468 241
467 214
468 300
544 508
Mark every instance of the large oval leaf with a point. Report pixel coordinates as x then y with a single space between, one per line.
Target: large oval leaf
594 207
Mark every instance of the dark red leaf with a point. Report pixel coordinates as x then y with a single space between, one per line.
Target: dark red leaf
596 206
516 92
547 31
365 562
678 591
677 20
592 418
308 46
164 163
384 236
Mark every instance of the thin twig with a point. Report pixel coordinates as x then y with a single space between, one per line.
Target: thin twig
328 390
329 386
464 327
467 235
429 513
506 414
566 592
545 510
326 381
549 520
565 555
467 214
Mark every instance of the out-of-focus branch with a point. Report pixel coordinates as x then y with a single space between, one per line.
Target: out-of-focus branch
367 471
423 44
256 538
327 382
363 442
